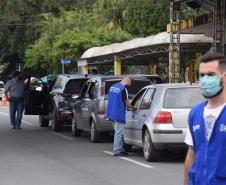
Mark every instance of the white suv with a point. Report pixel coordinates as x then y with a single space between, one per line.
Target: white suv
1 89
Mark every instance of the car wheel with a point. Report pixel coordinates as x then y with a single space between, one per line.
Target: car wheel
150 153
94 134
43 122
74 129
56 125
127 147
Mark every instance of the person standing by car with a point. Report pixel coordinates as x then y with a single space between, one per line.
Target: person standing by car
15 92
116 110
206 136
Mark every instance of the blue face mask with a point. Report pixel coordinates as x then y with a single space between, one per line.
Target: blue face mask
210 86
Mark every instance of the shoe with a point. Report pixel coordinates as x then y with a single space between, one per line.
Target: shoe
122 154
18 127
13 127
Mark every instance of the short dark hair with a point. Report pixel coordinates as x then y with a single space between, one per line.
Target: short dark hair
16 73
209 57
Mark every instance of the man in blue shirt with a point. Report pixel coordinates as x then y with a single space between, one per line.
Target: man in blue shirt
15 92
205 163
116 110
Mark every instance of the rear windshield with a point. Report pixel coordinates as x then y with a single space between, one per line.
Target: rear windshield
108 84
182 98
74 86
135 87
155 79
1 86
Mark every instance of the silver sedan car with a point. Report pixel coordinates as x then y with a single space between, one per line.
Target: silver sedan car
160 120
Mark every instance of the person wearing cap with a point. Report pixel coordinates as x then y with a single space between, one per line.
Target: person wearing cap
15 91
116 111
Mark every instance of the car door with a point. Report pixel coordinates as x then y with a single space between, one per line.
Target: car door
78 107
37 98
129 132
141 115
85 108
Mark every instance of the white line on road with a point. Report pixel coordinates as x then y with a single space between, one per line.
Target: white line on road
26 122
61 135
131 160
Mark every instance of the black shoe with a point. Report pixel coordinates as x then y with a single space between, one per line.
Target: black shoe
18 127
122 154
13 127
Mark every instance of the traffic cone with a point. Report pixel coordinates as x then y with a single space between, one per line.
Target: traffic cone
4 101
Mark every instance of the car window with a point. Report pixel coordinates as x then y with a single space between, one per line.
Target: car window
136 86
74 86
92 91
58 83
137 99
146 101
1 85
182 97
84 90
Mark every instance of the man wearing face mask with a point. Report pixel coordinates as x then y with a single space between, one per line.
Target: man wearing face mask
15 92
205 163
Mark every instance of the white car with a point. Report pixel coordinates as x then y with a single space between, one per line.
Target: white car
1 89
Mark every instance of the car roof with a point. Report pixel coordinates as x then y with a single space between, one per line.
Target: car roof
76 76
173 85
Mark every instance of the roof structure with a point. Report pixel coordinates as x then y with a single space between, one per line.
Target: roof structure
144 50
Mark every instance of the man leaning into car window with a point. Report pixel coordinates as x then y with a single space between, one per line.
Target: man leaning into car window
116 110
205 163
15 92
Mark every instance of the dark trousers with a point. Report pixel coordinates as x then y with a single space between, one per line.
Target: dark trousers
16 107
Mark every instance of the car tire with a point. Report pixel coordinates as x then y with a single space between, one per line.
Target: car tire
43 122
56 125
149 151
94 134
127 147
74 129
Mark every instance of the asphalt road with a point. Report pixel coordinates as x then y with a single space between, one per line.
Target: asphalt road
38 156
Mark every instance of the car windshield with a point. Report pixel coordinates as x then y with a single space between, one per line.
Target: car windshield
74 86
182 97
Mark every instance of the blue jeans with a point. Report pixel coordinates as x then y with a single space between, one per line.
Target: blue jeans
118 142
16 107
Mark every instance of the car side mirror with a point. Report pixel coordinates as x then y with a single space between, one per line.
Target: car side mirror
75 96
38 89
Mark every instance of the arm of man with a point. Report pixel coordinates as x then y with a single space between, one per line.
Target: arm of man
125 98
6 90
188 163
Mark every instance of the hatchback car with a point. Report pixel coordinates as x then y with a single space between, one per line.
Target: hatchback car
160 120
56 105
1 90
89 108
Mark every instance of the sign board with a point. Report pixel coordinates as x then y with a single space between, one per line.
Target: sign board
63 61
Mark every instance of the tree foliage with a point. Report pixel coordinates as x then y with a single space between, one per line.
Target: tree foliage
39 33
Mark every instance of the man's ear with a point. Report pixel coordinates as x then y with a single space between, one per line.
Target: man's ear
223 79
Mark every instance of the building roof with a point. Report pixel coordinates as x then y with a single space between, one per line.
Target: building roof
151 41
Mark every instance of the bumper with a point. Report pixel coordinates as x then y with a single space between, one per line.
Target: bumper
168 137
102 124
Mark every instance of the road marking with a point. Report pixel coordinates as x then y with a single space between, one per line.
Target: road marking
61 135
131 160
26 122
4 114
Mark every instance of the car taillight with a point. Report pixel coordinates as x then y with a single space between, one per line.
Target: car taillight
163 118
100 112
66 94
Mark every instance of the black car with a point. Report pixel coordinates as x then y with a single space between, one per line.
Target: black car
52 104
